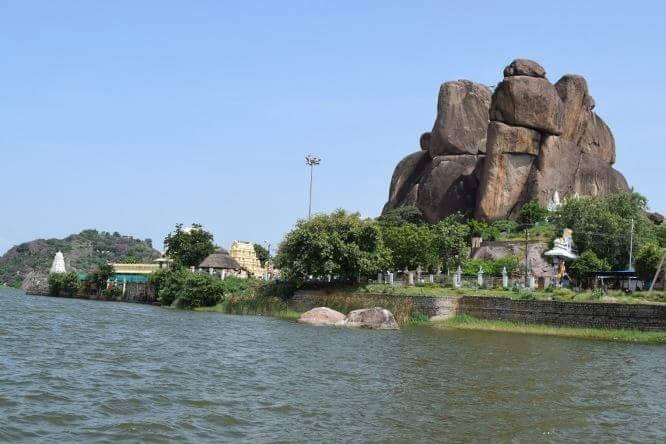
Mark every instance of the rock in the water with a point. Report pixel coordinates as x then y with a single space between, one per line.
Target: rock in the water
524 67
424 141
406 177
513 139
36 282
462 119
449 186
503 184
376 318
322 316
528 101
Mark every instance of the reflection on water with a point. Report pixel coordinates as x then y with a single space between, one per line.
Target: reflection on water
73 370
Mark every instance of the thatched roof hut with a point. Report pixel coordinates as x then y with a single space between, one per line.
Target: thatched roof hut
220 260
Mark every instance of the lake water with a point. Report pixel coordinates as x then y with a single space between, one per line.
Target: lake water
88 371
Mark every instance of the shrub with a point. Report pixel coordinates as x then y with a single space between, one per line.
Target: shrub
585 264
647 260
112 293
64 284
532 213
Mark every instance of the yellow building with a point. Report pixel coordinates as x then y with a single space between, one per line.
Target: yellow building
245 255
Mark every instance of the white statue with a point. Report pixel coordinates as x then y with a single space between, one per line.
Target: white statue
58 265
554 203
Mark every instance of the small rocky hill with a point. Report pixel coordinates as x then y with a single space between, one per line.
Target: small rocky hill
83 253
489 152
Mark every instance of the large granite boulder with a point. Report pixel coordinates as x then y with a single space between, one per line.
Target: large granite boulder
530 102
493 250
656 218
572 89
557 155
375 318
438 187
588 175
462 119
406 177
36 282
524 67
535 140
424 141
507 139
504 185
449 186
595 177
597 139
323 316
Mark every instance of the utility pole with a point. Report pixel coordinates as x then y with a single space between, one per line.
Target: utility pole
631 247
656 275
311 160
526 246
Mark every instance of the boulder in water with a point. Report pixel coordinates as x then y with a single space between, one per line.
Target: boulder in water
376 318
322 316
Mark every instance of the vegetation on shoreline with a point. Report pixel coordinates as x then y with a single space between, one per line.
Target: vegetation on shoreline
464 322
561 294
84 252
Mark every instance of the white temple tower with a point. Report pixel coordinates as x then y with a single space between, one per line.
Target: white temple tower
58 265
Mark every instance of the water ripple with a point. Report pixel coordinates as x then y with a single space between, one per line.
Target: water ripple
88 371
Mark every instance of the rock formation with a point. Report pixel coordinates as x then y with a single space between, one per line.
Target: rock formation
322 316
488 155
374 318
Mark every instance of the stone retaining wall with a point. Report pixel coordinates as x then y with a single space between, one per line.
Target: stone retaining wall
572 314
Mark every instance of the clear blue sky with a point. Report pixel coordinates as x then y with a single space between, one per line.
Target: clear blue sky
132 116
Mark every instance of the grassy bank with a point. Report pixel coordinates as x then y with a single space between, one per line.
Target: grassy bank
560 294
254 305
464 322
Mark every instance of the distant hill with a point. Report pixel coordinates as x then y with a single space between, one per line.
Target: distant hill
83 253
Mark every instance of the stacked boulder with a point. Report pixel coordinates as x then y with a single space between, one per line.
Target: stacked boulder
444 176
490 155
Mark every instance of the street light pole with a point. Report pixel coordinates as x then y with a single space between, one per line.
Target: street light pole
311 160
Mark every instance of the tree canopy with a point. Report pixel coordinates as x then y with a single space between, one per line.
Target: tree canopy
339 244
603 224
189 247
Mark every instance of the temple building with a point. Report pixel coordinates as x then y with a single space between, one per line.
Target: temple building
244 254
58 264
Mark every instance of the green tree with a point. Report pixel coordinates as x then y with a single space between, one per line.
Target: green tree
188 290
101 275
603 225
262 254
189 247
450 236
532 213
647 260
505 226
402 215
410 245
586 263
479 228
64 284
660 231
340 244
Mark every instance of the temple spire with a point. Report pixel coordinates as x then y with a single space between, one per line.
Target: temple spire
58 265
